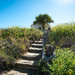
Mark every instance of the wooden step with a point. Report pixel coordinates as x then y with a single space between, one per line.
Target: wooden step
31 56
38 42
35 50
37 45
27 64
41 39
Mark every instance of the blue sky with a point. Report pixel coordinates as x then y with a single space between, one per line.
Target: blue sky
22 13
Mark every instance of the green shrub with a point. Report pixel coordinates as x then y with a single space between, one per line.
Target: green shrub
64 62
14 41
21 32
62 31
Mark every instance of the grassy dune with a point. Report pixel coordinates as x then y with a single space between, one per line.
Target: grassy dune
63 34
13 42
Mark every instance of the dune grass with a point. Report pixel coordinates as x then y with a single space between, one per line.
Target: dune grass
64 62
64 33
13 42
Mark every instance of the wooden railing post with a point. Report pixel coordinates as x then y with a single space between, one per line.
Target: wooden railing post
46 58
43 49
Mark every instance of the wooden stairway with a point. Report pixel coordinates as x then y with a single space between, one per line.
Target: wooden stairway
30 59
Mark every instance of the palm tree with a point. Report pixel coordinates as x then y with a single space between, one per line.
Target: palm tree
43 19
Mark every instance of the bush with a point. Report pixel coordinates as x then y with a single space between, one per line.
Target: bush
64 62
63 36
14 41
62 33
21 32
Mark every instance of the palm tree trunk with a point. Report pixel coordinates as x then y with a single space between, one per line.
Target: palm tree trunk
43 26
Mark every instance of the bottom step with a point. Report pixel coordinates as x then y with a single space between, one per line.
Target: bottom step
20 72
27 64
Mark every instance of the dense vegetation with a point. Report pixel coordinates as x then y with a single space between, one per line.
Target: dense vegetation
13 42
63 34
64 62
63 38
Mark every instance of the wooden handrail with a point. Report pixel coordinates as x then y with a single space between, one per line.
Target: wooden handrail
46 58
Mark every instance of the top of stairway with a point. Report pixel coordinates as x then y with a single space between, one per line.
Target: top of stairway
38 42
37 45
41 39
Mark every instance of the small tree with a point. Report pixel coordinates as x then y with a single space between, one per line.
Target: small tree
43 19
